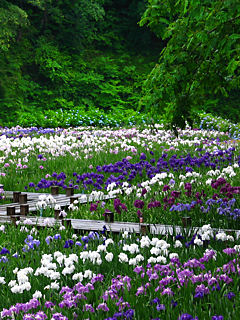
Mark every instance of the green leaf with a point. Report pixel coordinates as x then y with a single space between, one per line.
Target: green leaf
185 6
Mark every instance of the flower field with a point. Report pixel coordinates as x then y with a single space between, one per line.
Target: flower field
55 274
154 176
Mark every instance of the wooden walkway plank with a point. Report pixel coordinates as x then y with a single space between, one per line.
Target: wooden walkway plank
61 199
90 225
116 227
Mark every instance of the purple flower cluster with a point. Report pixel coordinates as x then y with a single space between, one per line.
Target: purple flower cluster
139 203
174 276
21 307
224 207
118 206
224 188
4 251
40 315
129 314
187 316
18 132
1 193
125 171
31 243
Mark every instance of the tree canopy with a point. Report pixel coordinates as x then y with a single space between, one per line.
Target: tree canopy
85 53
66 54
200 63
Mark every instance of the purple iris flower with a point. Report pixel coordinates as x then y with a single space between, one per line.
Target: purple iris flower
68 244
4 259
31 185
85 239
139 204
174 303
49 304
160 307
4 251
155 300
187 316
230 295
143 156
93 207
48 239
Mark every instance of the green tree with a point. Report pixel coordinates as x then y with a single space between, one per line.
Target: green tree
71 53
12 20
200 62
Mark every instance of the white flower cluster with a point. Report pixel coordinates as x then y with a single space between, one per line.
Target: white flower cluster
2 280
96 195
226 173
206 233
88 274
48 268
195 177
224 237
45 201
73 207
132 248
22 283
93 256
159 251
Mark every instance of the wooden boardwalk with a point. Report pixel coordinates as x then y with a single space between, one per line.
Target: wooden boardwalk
62 200
115 227
87 225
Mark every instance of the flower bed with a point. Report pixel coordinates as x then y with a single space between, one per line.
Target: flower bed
153 175
54 274
156 178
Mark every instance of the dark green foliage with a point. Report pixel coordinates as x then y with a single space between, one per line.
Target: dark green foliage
200 63
68 54
82 54
225 106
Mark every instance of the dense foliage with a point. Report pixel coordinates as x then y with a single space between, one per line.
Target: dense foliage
199 67
80 55
72 54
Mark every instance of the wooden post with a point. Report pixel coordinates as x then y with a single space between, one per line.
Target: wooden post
10 210
54 190
187 221
69 191
108 216
72 199
23 198
144 228
24 209
14 219
56 214
16 196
